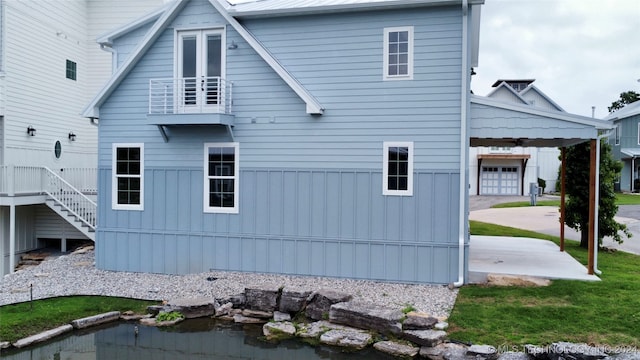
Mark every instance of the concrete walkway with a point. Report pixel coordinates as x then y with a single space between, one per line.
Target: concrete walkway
533 257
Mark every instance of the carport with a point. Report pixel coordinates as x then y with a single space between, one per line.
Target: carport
497 123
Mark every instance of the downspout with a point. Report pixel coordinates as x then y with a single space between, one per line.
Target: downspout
464 96
597 207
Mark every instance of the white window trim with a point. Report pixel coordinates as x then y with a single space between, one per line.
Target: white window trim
114 177
385 69
236 176
385 168
199 33
616 135
638 133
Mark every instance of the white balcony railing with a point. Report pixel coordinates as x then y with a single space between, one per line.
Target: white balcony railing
203 95
27 180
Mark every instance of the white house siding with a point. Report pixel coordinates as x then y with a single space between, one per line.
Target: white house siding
25 233
535 99
310 186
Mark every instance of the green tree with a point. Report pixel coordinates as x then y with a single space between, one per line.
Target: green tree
577 188
625 98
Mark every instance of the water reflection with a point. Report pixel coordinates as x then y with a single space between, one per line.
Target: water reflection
192 339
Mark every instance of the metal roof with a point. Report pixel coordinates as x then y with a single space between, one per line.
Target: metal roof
628 111
283 7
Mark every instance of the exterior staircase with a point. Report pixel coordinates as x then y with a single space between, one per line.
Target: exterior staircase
70 203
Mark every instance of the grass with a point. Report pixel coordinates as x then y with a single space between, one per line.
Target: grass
18 321
603 313
621 199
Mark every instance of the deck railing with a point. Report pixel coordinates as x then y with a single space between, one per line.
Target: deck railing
70 198
197 95
27 180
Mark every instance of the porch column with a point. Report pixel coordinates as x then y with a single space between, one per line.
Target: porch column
563 171
592 207
12 238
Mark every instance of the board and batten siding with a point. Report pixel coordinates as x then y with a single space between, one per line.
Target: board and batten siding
25 233
310 192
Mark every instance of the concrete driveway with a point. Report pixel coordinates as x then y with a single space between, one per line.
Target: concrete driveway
546 219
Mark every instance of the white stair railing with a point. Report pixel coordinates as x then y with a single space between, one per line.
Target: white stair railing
70 198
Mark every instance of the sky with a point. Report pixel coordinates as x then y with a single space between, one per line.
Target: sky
582 53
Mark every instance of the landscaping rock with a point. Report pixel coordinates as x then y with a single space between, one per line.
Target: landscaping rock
278 330
396 349
241 319
237 300
192 307
262 299
536 352
257 314
483 352
442 325
95 320
626 356
367 316
43 336
419 321
154 309
319 303
130 315
224 309
315 329
4 344
153 322
280 316
444 351
292 301
425 337
510 355
350 338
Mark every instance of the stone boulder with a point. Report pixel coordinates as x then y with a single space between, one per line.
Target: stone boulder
419 321
315 329
319 303
568 350
241 319
483 352
192 308
95 320
280 316
265 299
349 338
429 338
396 349
444 351
513 355
293 301
278 330
257 314
367 316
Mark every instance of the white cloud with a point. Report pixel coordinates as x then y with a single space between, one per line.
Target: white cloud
582 53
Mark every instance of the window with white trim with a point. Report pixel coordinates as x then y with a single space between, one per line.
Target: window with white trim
398 53
221 170
638 133
617 134
397 171
128 177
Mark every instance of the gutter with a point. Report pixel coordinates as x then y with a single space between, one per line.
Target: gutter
464 96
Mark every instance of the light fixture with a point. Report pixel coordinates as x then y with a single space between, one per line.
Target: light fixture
473 72
31 131
72 136
232 46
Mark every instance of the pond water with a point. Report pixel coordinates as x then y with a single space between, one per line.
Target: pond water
191 339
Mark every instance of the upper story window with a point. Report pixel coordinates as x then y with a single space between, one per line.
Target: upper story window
397 171
128 177
617 135
71 71
398 53
221 169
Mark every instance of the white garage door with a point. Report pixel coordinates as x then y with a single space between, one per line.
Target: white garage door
499 180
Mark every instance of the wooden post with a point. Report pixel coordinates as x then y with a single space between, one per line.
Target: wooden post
563 172
592 207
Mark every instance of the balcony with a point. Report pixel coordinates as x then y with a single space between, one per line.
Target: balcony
190 101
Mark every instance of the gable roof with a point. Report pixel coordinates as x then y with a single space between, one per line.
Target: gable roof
627 111
108 37
503 86
92 110
532 87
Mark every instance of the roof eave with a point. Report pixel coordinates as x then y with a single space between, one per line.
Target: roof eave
107 38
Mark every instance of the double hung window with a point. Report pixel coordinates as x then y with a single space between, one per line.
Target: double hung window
398 53
128 177
397 172
221 170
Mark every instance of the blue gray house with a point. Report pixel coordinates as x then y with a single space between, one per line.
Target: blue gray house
318 137
625 142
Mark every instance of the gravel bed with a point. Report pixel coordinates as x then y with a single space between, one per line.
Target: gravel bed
75 274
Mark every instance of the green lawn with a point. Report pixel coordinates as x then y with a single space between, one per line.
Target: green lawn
605 312
18 321
621 199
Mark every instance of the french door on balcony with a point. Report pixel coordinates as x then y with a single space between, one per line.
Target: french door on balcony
200 68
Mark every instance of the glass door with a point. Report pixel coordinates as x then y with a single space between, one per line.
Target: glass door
200 65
